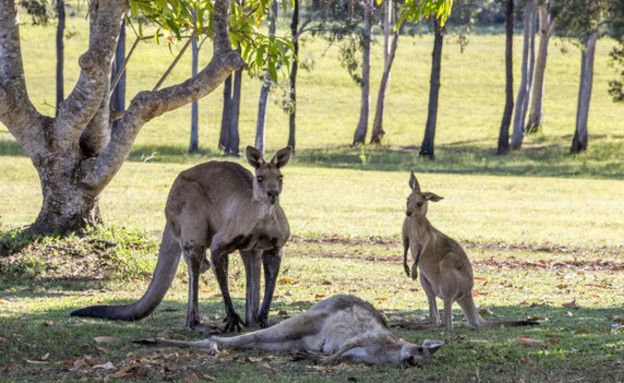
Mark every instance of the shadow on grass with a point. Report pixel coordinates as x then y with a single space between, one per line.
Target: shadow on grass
543 157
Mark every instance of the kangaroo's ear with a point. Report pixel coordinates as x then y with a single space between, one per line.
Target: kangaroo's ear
433 345
282 157
413 182
254 157
429 196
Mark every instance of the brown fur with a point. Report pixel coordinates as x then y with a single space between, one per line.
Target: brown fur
224 207
444 267
342 326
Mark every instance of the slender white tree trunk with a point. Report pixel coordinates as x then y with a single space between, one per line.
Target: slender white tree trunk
581 134
522 98
389 53
264 92
536 113
362 127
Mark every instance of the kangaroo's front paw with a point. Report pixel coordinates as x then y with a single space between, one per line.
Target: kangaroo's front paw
407 269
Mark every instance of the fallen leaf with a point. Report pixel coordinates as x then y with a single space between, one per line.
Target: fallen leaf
570 304
170 309
319 296
191 378
480 279
4 302
582 331
595 295
327 283
561 287
163 334
382 299
46 356
282 313
2 340
485 312
105 366
211 378
103 349
206 291
288 280
527 340
106 339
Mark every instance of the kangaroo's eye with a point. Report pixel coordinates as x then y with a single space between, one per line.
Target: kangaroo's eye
260 178
419 204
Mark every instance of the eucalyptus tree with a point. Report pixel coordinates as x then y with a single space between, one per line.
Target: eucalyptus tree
526 75
427 147
503 135
78 152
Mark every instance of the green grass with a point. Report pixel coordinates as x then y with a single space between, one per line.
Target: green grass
543 229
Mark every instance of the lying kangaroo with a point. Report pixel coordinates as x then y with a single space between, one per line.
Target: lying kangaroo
342 326
444 266
221 206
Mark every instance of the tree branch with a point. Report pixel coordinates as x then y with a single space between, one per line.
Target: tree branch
16 111
148 105
85 100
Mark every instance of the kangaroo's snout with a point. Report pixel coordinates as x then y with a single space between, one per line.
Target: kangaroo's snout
273 196
408 213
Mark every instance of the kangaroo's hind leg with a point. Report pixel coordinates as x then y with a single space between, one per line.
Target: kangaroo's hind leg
296 333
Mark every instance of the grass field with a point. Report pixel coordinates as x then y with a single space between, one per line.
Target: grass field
543 229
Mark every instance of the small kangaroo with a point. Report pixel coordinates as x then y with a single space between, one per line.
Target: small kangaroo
444 266
343 326
221 206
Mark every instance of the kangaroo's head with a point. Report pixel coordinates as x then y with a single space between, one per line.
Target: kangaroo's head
267 184
413 354
417 201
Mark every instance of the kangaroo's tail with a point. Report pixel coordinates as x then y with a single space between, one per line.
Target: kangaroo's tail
166 267
473 317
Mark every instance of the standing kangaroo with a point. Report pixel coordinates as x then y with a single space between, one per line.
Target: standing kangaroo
343 326
444 266
221 206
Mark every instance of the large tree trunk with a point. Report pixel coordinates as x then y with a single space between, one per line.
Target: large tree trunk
528 52
294 27
78 152
60 30
536 114
503 136
264 91
427 147
194 144
389 53
360 132
581 135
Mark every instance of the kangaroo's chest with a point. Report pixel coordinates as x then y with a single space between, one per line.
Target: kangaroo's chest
266 234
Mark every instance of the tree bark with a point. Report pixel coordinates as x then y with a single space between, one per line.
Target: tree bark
60 30
226 114
360 132
73 175
427 147
233 142
194 144
503 136
528 52
581 135
536 114
118 98
294 66
389 53
264 91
